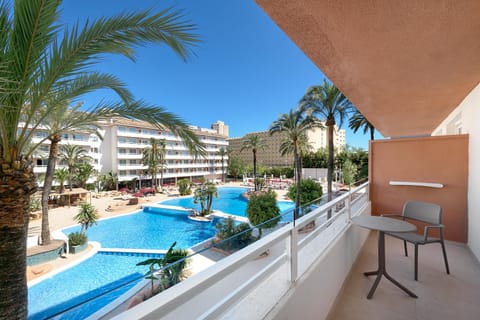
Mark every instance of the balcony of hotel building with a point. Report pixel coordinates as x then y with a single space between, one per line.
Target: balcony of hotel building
413 69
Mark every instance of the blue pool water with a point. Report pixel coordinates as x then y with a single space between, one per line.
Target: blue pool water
152 229
229 200
100 273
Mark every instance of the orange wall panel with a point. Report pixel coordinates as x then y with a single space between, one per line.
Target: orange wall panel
440 159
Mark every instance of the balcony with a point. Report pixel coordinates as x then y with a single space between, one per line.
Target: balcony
222 289
440 296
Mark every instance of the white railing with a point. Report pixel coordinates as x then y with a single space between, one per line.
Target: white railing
249 285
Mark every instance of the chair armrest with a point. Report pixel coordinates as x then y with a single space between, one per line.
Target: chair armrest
427 229
393 215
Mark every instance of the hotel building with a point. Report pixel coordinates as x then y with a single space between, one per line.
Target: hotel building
122 147
271 156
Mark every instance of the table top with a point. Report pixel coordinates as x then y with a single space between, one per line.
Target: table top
383 224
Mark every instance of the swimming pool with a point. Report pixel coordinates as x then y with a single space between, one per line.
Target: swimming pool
98 274
229 200
154 228
151 228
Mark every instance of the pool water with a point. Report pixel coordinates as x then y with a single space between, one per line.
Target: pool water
98 274
229 200
153 228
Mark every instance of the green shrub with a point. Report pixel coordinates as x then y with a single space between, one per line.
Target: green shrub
309 190
225 228
263 211
184 187
233 236
35 204
77 238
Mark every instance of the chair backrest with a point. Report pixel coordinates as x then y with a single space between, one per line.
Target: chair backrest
423 211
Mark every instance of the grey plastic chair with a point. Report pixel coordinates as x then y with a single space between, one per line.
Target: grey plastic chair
431 215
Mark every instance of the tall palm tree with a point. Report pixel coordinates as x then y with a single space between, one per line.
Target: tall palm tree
222 152
294 125
327 102
42 65
73 155
358 121
61 175
253 142
56 122
154 158
83 172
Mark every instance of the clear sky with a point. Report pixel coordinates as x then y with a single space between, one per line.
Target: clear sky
245 72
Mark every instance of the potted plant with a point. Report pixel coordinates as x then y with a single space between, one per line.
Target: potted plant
86 217
77 242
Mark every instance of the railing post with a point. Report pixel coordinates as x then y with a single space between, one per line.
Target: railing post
293 254
348 204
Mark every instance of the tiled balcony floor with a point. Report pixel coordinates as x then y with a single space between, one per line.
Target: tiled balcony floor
440 296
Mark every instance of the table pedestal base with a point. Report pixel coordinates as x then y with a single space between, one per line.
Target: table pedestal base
381 271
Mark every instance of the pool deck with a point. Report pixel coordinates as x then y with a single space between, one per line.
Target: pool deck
107 206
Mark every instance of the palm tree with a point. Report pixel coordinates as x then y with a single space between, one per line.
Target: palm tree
204 195
108 181
73 155
83 172
87 216
56 122
222 152
331 105
154 158
294 125
253 142
42 65
60 175
358 121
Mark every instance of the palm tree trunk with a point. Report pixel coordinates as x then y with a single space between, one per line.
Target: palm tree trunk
254 168
18 183
330 127
70 177
47 187
372 133
297 177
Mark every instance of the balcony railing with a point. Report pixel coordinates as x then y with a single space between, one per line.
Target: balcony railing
254 280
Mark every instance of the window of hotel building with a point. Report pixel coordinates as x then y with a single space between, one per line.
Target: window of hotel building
122 173
93 150
65 136
122 129
132 151
93 138
41 134
132 172
42 162
132 141
44 148
132 130
122 150
77 137
132 162
122 140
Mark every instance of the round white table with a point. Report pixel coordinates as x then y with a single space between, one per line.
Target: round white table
382 225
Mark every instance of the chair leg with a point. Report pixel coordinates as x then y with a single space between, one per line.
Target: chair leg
445 257
416 262
405 248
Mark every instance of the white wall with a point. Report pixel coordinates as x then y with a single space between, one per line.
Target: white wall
315 292
471 119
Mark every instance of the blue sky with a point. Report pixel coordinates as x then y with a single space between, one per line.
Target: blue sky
245 72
